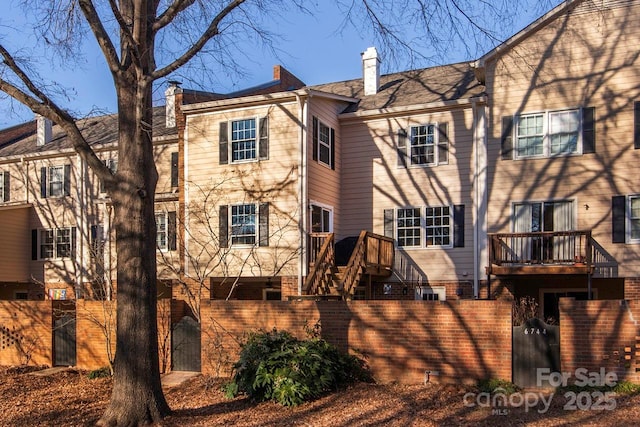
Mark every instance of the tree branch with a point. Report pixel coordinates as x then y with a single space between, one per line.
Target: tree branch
210 32
169 15
102 37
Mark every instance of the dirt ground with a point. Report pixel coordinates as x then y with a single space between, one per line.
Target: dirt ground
69 398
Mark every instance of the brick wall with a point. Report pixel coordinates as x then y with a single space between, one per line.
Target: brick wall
97 319
632 288
288 286
400 340
600 334
26 332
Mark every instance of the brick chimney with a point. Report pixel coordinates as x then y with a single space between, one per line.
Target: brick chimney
371 71
44 131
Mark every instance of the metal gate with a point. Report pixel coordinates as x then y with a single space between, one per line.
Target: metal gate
64 341
536 345
185 345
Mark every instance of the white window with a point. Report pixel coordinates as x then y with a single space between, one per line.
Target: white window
56 243
243 140
243 224
427 146
434 293
634 219
321 219
324 144
56 181
161 230
2 192
438 226
408 227
548 134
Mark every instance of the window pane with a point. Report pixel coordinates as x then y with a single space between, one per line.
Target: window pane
634 218
161 231
47 239
563 131
243 224
422 145
438 224
530 134
408 225
324 144
56 181
243 140
63 242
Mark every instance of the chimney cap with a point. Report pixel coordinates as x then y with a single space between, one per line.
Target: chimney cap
174 83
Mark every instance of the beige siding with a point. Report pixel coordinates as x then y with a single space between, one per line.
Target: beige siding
373 182
15 251
585 59
210 185
324 182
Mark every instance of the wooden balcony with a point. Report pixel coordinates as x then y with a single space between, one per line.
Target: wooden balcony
556 252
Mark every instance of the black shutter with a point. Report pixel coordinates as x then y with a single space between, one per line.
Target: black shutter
332 135
388 223
67 180
43 182
618 219
636 125
73 242
102 187
224 143
458 226
589 130
223 228
443 143
263 224
506 142
315 138
34 244
401 146
264 139
171 231
7 187
174 169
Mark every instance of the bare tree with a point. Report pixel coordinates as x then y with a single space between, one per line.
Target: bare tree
143 41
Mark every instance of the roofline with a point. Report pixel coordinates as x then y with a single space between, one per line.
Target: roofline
438 105
527 31
247 101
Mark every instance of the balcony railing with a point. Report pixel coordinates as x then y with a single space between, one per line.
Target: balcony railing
566 251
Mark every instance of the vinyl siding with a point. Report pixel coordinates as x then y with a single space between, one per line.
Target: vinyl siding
587 58
16 248
373 182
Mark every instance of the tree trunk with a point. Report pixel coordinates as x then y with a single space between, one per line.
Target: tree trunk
137 396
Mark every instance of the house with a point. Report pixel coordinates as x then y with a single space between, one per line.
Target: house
509 176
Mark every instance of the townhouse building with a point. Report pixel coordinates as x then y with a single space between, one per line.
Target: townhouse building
509 176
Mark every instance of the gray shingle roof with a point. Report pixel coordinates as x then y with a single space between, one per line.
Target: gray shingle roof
101 130
423 86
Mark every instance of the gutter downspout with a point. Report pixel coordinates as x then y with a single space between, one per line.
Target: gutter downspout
479 189
302 176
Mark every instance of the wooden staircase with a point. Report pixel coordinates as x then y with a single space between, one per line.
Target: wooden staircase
373 255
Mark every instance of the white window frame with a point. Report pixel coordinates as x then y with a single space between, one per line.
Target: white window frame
112 165
233 238
323 208
630 218
546 134
419 227
435 145
1 186
51 181
449 218
424 228
162 229
55 242
255 139
439 293
324 142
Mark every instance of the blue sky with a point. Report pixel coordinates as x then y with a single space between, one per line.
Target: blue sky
312 47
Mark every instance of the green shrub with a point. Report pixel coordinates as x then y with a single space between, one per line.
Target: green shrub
492 384
277 366
103 372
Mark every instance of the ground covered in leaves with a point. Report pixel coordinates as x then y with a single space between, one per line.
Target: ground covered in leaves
70 398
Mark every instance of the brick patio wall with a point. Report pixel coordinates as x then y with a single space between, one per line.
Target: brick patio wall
26 332
600 334
457 341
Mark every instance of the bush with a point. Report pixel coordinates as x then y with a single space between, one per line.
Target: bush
103 372
493 384
277 366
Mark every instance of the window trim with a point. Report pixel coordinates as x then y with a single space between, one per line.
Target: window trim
323 208
5 186
423 227
165 215
629 219
438 143
546 136
54 243
256 220
111 164
574 211
318 143
440 291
